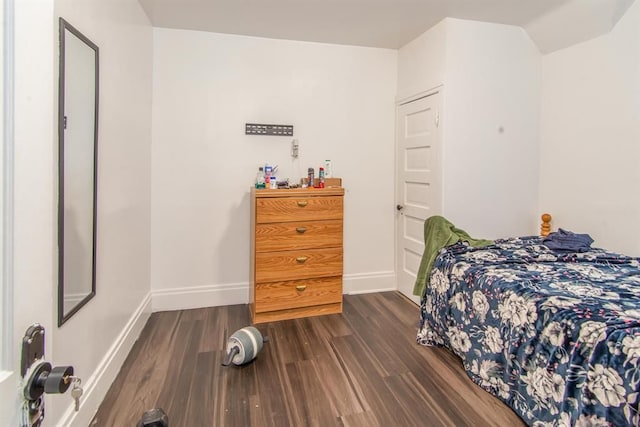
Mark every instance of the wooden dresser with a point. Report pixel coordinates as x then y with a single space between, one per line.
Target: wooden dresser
296 253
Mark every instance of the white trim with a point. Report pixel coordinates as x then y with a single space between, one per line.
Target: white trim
366 283
416 96
200 296
70 300
238 293
399 102
6 284
97 385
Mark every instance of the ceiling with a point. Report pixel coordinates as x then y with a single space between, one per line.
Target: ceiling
552 24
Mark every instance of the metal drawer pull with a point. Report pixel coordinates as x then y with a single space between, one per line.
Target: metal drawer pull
301 229
301 288
302 203
301 259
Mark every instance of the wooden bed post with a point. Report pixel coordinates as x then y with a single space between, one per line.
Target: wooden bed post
545 227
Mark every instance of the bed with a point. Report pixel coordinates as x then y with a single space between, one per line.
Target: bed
555 335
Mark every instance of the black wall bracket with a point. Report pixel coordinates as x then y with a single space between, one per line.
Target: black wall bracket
260 129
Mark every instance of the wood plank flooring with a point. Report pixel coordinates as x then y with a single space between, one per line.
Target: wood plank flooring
360 368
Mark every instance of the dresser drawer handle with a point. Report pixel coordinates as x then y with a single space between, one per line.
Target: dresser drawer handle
302 203
301 229
301 288
301 259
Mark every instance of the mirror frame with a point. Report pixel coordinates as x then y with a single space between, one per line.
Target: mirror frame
62 316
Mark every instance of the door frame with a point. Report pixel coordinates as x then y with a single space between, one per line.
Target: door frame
419 95
29 297
7 341
400 102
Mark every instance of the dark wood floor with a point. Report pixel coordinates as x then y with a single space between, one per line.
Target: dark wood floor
361 368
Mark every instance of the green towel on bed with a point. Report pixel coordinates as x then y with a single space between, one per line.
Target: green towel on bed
438 233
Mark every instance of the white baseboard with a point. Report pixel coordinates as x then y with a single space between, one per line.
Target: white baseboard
238 293
199 296
97 385
70 300
366 283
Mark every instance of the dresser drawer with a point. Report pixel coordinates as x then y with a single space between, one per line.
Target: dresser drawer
298 264
298 293
287 209
283 236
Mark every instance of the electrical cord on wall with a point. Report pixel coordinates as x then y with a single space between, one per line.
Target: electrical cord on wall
295 161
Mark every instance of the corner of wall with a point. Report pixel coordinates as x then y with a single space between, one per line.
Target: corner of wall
184 298
97 385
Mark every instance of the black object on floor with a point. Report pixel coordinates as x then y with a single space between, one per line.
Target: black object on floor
155 417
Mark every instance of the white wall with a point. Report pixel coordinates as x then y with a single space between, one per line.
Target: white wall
491 78
340 100
422 62
491 129
590 137
92 340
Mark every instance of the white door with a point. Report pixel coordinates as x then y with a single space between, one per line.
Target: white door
418 182
28 203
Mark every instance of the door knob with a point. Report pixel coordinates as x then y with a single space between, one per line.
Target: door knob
45 379
399 207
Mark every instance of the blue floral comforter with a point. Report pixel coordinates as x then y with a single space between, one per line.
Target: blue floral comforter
554 335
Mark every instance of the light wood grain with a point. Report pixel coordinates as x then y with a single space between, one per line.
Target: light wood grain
545 226
298 264
300 234
296 241
287 209
297 192
296 313
298 293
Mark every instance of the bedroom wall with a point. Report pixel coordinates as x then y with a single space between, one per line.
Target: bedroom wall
491 129
590 136
97 338
491 78
422 62
206 86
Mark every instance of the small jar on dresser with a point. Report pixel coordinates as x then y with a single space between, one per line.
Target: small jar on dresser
296 253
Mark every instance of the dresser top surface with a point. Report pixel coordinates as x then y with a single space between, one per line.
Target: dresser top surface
297 192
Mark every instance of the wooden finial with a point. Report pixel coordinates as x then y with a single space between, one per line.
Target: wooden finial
545 227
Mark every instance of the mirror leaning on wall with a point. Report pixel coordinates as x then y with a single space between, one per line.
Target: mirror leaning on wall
78 166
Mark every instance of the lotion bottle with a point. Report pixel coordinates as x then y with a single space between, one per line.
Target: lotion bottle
328 170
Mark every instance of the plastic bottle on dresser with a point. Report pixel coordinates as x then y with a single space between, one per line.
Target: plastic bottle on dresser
267 175
321 177
310 176
260 178
328 169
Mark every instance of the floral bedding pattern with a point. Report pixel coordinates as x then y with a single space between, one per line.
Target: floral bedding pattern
555 335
